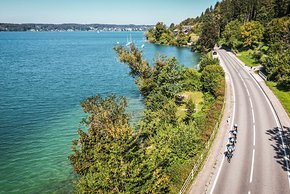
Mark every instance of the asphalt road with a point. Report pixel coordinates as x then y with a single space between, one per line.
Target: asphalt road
258 164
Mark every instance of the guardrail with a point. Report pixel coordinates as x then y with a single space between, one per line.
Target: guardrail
263 76
203 154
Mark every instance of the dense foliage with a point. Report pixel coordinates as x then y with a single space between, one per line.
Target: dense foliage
260 27
111 156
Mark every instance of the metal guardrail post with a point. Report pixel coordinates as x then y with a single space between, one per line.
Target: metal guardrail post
263 76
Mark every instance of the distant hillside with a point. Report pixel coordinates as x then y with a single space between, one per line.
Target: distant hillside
72 27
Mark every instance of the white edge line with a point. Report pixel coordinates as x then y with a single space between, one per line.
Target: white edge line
251 103
233 118
252 167
253 115
276 120
279 126
254 142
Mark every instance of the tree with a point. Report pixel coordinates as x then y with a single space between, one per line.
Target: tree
166 38
191 80
133 58
252 33
278 68
109 155
190 110
181 39
210 31
281 7
160 28
208 37
211 78
167 75
207 60
172 26
278 33
278 39
265 12
150 35
232 34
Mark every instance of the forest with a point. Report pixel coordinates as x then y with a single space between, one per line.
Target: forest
258 30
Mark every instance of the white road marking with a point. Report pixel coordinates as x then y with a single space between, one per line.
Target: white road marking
254 142
277 123
252 108
252 167
251 103
232 122
254 128
253 117
243 83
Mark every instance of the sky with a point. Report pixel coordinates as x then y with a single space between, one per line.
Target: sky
101 11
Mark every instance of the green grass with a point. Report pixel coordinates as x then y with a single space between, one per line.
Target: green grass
283 96
246 57
196 98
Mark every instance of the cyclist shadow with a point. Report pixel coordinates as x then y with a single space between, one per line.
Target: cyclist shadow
278 146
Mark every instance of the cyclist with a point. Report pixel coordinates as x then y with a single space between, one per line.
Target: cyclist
230 148
234 133
232 140
229 152
236 127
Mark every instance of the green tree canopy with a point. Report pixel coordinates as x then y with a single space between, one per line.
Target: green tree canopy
108 154
252 33
207 60
211 78
160 28
232 34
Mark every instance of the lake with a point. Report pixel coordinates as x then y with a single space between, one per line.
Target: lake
43 78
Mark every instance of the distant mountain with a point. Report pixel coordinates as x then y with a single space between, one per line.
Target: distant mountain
72 27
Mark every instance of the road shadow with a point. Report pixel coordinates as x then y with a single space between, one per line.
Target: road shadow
226 48
278 146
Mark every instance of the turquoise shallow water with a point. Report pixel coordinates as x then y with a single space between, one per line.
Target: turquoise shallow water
43 78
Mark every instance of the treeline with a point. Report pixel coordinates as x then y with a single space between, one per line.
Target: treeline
156 156
69 26
261 27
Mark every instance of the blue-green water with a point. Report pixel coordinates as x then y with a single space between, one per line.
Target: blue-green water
43 78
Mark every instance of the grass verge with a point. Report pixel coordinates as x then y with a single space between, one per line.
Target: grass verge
246 57
283 96
195 97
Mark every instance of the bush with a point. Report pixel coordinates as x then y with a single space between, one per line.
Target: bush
207 60
211 78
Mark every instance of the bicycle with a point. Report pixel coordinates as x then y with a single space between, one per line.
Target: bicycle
229 156
229 152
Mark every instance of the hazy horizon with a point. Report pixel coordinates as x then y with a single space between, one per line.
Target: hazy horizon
123 12
78 23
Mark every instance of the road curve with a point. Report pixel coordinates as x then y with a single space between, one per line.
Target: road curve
258 165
